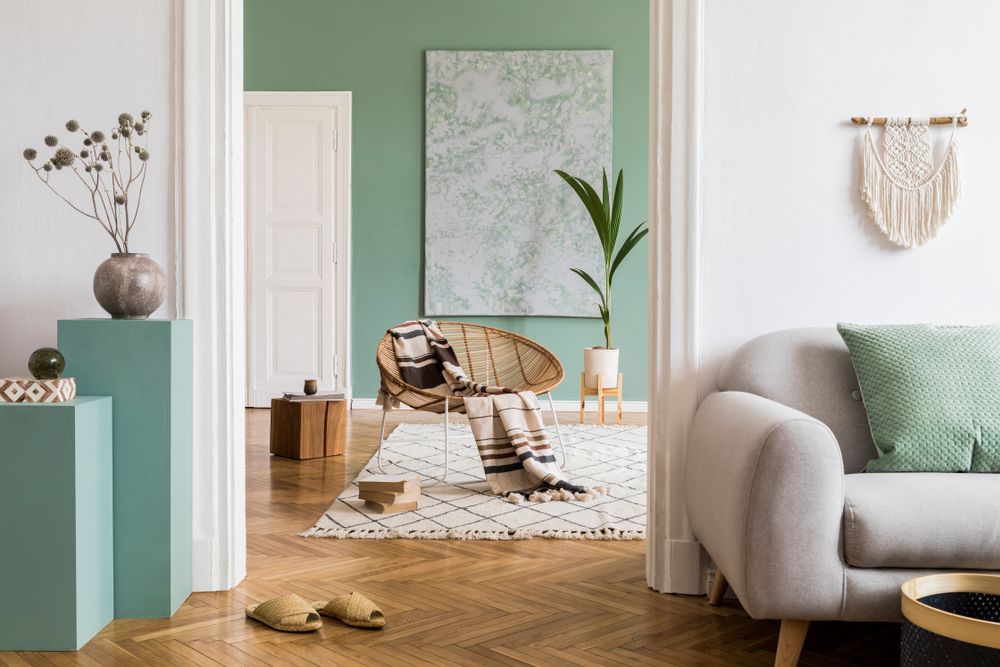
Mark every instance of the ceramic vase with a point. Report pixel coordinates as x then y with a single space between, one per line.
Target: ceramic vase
130 286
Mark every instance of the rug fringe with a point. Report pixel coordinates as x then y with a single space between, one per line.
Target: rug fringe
393 533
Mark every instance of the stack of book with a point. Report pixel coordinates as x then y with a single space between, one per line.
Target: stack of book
390 493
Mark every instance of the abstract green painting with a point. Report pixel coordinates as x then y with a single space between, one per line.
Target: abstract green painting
502 230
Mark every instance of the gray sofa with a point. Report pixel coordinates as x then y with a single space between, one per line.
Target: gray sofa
776 494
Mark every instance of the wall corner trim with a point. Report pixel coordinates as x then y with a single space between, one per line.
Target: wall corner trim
673 562
210 277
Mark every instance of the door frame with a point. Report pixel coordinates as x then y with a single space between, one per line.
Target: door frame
341 252
675 561
209 273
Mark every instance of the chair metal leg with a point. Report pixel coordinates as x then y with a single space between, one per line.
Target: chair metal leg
446 440
555 418
381 438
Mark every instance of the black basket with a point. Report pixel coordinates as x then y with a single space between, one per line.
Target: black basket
922 648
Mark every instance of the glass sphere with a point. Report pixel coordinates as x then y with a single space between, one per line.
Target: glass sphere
46 363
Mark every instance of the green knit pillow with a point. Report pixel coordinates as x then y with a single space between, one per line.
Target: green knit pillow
932 395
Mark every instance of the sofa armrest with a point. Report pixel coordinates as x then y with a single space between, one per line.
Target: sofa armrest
765 496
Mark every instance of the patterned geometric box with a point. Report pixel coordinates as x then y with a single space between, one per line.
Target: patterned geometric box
30 390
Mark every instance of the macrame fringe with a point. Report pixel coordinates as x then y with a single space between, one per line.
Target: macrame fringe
910 216
456 534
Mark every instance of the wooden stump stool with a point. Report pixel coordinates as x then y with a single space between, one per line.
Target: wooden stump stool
308 429
601 393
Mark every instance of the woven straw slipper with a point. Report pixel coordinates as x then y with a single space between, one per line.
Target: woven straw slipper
287 614
353 609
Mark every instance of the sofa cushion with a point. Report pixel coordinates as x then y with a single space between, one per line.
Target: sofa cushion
922 520
932 394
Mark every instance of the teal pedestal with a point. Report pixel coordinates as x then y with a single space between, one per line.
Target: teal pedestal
56 555
146 365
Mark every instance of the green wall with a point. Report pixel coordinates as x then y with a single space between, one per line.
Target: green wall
375 48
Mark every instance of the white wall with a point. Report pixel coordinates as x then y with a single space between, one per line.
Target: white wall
88 61
786 240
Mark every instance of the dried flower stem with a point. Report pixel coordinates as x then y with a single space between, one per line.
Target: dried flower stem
45 180
113 209
93 200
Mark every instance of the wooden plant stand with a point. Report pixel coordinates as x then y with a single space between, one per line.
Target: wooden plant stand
308 429
601 393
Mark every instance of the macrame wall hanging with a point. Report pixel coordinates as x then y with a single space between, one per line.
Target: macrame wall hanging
907 196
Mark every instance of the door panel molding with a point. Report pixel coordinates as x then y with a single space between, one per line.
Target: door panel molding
274 257
282 324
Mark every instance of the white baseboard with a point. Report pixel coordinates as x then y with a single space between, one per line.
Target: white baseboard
205 565
561 405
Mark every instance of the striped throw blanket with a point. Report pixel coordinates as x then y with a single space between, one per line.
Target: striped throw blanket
427 361
507 425
515 450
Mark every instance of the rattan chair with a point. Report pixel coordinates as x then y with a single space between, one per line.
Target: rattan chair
488 355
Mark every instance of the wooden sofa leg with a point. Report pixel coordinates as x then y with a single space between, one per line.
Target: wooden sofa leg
790 639
719 588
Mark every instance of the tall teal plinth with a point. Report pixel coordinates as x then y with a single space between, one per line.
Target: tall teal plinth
146 365
56 554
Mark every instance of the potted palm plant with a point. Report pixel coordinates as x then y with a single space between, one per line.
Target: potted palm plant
605 211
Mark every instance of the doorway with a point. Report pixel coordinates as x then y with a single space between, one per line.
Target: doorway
298 242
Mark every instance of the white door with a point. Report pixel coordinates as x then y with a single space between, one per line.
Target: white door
294 181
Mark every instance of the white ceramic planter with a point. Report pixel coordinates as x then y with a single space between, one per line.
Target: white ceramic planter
600 362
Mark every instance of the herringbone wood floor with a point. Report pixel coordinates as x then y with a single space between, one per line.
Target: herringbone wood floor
540 602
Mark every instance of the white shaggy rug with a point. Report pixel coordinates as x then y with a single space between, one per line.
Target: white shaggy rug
464 509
